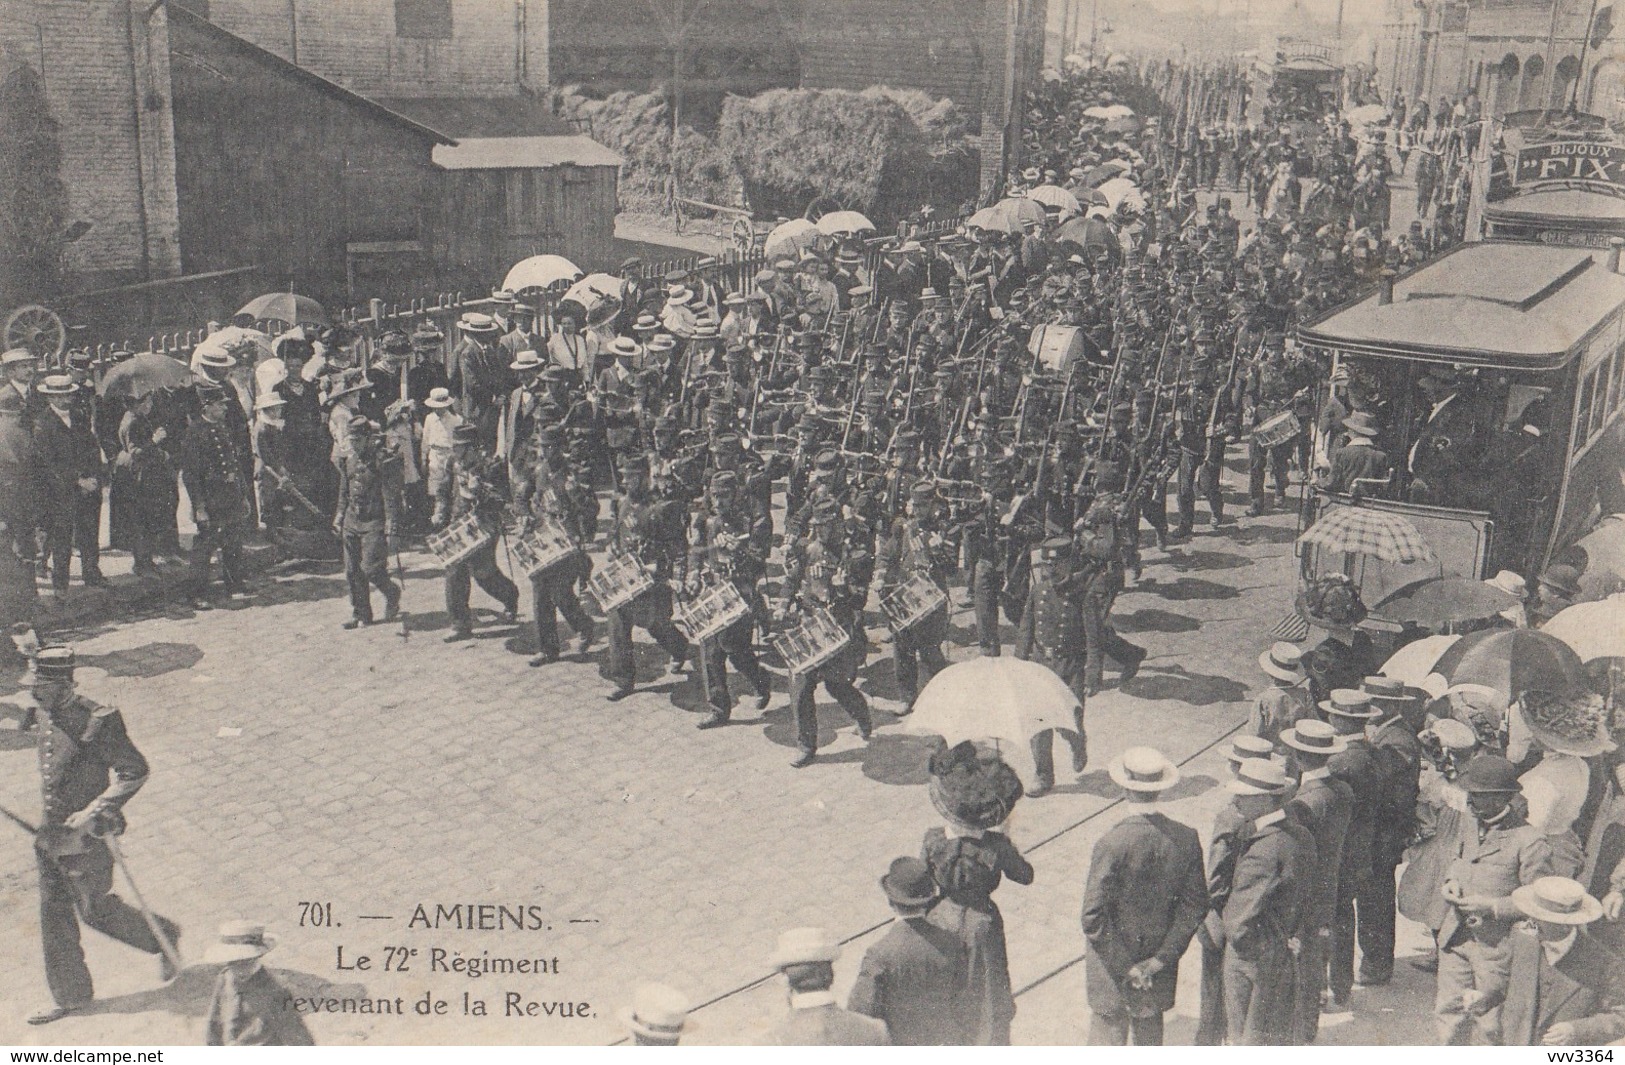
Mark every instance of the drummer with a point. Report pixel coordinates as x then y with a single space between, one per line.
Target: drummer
732 542
916 547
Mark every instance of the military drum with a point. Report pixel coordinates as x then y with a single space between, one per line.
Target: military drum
459 540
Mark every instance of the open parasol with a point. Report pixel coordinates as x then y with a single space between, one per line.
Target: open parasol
838 222
1058 198
598 295
1107 112
1439 601
286 307
993 220
1120 190
1511 661
143 374
1376 534
540 271
1021 209
1593 630
999 698
1413 662
789 239
1604 548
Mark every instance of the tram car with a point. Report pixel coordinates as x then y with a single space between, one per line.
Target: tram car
1495 373
1305 84
1560 179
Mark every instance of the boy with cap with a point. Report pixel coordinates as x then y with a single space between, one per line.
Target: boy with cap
211 470
1145 897
249 1007
1266 914
806 957
1494 857
89 769
1323 805
1565 986
913 979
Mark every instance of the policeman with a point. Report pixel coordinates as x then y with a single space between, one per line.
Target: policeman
471 488
829 574
1104 548
652 531
89 769
917 547
1051 632
732 543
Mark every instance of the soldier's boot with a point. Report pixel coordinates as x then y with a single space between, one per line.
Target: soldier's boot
585 639
166 968
392 605
804 757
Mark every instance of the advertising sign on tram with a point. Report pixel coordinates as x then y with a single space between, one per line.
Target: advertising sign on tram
1591 165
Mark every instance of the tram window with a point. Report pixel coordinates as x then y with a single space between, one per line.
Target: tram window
1618 384
1588 396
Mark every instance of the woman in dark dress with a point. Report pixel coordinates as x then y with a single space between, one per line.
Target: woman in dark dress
1346 656
975 792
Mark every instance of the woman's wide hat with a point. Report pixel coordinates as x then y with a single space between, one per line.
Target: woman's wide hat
973 787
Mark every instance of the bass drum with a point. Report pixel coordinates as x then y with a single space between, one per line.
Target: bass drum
1056 347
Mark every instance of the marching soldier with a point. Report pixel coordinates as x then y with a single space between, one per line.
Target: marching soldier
89 770
918 546
470 488
548 497
369 512
1051 631
1103 548
732 544
829 574
652 531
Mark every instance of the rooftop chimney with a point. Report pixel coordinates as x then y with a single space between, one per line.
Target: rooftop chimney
1385 288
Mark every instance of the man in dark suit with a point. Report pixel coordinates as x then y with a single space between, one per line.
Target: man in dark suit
1264 916
1323 805
1146 895
1397 756
1564 987
1447 444
1349 711
806 957
913 980
68 463
1360 460
1230 830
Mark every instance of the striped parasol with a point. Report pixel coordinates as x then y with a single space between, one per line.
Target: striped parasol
1376 533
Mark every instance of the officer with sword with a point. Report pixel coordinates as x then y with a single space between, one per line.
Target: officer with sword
89 769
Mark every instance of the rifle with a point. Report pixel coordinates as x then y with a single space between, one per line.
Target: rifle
285 483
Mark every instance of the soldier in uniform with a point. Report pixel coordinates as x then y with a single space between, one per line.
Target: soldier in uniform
829 573
1051 631
1103 550
550 498
917 545
652 531
470 487
369 513
732 543
212 471
89 770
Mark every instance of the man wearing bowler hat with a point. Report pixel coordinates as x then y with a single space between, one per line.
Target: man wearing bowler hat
68 464
913 979
806 957
1264 918
1565 986
1145 896
1397 758
1323 805
89 769
1349 712
1497 853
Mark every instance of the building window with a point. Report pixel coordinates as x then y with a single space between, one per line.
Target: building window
423 19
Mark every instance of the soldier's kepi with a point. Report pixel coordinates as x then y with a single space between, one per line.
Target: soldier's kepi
88 770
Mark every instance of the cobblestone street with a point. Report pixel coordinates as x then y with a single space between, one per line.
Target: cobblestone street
294 763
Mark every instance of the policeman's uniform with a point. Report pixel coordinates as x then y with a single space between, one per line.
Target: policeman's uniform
1051 632
87 762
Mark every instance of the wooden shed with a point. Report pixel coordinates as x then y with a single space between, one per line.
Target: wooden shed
277 168
505 198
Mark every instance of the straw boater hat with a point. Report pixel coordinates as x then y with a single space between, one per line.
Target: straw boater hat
503 297
1350 703
478 324
267 400
439 399
1143 769
662 342
646 323
1247 746
1362 422
1573 722
1260 776
216 357
354 380
526 360
803 946
678 295
1510 583
1314 737
624 346
1283 661
1453 735
17 356
1557 900
657 1013
239 941
1394 695
58 384
973 788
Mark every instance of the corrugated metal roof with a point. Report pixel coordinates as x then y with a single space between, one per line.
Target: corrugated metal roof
523 153
1507 304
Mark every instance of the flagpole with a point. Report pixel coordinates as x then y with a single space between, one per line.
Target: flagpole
1579 72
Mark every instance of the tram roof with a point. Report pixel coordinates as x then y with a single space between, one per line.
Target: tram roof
1511 305
1578 208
